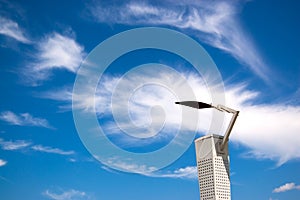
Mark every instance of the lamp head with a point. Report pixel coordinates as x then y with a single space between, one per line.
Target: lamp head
194 104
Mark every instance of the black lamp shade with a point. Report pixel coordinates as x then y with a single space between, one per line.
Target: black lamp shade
194 104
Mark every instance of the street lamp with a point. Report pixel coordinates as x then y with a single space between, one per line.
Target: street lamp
213 158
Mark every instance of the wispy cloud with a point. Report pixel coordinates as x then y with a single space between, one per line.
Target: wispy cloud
66 195
63 94
51 150
85 100
11 29
270 131
188 172
267 129
23 119
14 145
129 166
55 51
213 22
27 145
286 187
2 162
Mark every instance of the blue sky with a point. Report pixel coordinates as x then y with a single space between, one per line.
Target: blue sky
46 46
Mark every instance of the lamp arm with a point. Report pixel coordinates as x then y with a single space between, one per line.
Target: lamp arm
200 105
230 126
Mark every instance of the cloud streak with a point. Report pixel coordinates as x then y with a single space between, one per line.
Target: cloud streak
23 144
213 22
2 162
286 187
23 119
11 29
188 172
14 145
269 131
55 51
66 195
51 150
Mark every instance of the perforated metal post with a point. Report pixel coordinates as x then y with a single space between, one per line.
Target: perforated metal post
213 157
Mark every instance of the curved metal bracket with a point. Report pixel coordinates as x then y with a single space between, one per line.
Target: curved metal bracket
230 126
201 105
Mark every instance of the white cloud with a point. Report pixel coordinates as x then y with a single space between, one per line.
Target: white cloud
84 100
11 29
58 51
269 131
14 145
23 119
214 22
51 150
63 94
128 166
2 162
22 144
286 187
189 172
66 195
55 51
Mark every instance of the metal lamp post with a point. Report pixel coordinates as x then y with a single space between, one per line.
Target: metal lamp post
213 157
